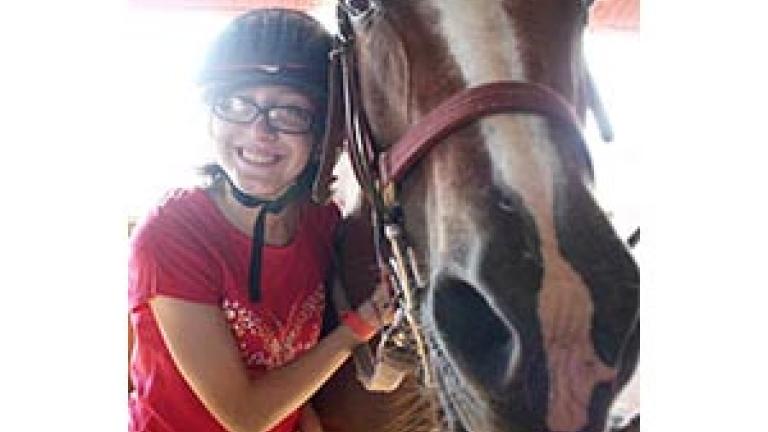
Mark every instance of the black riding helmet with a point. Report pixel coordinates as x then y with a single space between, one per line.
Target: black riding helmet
270 47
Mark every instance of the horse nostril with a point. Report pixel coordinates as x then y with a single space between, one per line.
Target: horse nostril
473 336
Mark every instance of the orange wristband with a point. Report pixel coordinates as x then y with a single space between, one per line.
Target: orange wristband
359 326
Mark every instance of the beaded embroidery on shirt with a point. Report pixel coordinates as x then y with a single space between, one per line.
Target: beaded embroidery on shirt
266 342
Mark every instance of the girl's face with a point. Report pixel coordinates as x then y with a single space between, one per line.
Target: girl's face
263 157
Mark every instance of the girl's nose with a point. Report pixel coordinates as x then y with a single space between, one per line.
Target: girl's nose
260 127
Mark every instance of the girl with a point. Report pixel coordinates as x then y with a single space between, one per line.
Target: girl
227 281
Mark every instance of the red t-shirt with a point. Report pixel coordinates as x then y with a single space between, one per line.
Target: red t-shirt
185 248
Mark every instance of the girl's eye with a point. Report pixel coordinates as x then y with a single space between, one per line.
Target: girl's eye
235 104
235 109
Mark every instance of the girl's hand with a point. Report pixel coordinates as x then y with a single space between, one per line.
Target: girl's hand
379 310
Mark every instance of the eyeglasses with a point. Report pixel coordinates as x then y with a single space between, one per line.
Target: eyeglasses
241 110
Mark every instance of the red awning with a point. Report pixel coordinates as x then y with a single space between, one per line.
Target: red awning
226 5
615 15
622 15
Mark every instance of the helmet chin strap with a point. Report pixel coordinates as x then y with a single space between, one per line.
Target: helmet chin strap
303 184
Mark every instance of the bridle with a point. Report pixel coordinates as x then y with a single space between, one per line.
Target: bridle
379 172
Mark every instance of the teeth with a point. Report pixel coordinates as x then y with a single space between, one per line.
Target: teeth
257 158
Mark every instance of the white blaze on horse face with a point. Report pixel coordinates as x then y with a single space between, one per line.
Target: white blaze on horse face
483 40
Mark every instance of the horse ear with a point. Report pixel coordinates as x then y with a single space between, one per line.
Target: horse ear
331 144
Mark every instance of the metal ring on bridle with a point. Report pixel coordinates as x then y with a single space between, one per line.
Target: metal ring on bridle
361 12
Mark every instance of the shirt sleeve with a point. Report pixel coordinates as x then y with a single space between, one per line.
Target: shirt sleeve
171 266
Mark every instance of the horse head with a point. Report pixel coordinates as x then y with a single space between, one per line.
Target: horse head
529 302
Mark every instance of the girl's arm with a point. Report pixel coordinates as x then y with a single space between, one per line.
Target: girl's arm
205 352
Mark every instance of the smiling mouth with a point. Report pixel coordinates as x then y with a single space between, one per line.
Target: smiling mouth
257 158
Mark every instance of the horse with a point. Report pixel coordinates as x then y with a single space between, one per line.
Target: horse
518 302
